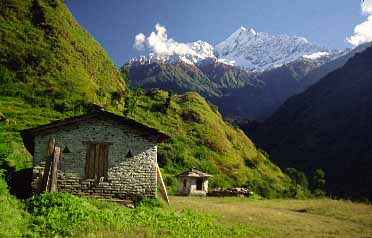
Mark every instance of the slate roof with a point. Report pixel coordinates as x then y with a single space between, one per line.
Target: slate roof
28 135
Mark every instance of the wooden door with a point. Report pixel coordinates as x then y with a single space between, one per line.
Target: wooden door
97 161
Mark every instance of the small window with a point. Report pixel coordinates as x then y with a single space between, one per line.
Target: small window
199 184
96 165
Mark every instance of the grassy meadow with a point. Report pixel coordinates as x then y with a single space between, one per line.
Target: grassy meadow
57 215
285 218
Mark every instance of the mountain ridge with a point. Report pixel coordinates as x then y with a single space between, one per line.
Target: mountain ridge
247 49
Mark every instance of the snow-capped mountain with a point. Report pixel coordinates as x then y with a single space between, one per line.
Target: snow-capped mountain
249 74
256 51
192 54
246 49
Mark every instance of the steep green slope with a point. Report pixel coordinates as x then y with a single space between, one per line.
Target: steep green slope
201 139
328 126
48 59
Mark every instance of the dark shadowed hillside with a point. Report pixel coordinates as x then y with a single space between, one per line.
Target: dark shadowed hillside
329 126
258 101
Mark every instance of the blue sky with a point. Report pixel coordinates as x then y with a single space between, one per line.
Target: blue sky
114 23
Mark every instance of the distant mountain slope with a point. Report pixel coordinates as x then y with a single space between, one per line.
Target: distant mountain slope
330 66
259 101
179 77
328 126
49 59
209 77
248 75
234 90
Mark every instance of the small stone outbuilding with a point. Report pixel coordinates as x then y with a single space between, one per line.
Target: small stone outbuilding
101 154
194 183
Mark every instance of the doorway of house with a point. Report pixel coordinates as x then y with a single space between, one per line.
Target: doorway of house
199 184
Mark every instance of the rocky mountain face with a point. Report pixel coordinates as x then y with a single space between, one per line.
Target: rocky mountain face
328 126
248 75
256 51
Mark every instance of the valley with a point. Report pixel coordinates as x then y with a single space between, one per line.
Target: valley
282 118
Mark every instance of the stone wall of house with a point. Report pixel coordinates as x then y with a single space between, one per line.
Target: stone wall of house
128 178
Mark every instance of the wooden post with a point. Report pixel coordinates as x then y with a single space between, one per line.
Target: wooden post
48 163
163 189
53 178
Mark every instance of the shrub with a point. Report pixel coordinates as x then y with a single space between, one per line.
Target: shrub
58 212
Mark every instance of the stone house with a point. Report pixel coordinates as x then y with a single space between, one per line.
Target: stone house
194 183
101 154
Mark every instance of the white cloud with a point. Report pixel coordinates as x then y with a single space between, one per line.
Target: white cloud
363 31
367 7
159 43
139 41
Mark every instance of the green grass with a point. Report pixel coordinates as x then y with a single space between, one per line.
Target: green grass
64 215
286 218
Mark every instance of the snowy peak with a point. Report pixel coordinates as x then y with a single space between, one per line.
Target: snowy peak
243 31
258 51
194 52
245 48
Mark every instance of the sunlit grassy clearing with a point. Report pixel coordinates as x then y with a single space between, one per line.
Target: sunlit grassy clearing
287 218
